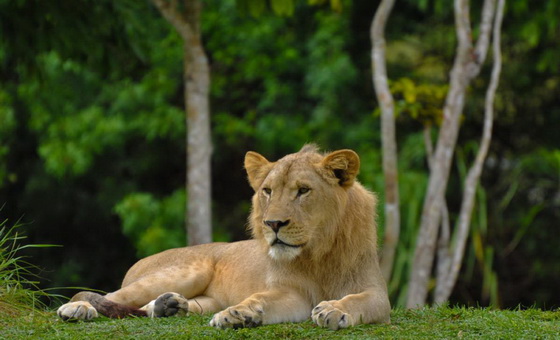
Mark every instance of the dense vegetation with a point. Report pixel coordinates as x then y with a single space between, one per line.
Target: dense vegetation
92 129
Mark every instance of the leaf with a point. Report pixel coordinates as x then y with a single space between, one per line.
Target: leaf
256 7
283 7
423 5
336 5
478 246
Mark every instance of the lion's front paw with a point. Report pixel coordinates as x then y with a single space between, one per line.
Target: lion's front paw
326 315
78 310
167 304
237 317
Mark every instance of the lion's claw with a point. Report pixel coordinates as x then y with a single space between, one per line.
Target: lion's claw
326 315
236 317
78 310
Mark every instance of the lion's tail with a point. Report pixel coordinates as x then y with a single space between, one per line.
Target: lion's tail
107 307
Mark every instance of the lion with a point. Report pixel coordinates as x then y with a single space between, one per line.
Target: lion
313 254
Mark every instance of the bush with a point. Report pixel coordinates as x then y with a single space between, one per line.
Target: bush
18 290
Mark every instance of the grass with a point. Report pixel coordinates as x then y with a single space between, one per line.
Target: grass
427 323
18 291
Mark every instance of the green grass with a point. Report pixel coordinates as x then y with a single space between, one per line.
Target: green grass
428 323
18 291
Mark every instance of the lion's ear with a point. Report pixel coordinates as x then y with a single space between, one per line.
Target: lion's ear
257 168
344 165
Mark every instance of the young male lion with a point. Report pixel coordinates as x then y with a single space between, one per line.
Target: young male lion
313 254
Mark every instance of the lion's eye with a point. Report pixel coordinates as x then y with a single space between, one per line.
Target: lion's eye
267 191
303 191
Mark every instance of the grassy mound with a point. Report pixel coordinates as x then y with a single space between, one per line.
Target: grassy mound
426 323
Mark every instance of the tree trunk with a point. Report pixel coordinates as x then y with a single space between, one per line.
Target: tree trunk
443 252
467 65
446 284
388 138
186 20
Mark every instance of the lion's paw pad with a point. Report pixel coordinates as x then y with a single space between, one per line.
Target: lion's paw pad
170 304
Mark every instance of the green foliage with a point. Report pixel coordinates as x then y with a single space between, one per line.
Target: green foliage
6 130
280 7
75 130
331 70
422 102
153 225
299 88
480 254
257 8
539 31
531 181
94 116
336 5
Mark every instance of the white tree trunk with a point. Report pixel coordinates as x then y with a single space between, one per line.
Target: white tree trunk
388 138
186 20
468 61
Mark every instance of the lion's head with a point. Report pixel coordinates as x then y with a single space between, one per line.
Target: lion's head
301 200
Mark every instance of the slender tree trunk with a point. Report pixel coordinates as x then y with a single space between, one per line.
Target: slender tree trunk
388 138
443 253
467 65
186 20
445 286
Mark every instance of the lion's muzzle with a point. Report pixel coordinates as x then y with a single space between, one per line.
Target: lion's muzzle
275 225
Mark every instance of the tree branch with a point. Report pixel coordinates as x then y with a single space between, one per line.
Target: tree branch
483 40
388 138
443 251
181 24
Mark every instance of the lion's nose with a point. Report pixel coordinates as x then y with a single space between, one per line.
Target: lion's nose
276 225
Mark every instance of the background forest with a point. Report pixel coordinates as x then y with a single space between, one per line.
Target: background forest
92 129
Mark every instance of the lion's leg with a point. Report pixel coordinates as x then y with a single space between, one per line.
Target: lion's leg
270 307
88 305
188 281
204 304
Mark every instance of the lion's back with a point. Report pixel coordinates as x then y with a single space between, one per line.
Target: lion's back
210 255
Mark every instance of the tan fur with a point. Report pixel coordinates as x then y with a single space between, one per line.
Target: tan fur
313 254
